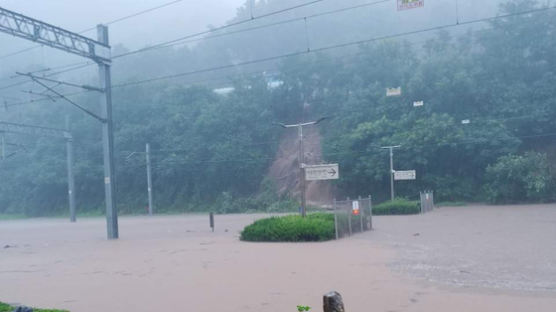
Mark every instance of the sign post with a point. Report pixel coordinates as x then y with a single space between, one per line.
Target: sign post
355 207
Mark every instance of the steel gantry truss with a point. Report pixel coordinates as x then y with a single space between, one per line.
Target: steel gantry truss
31 29
97 50
10 127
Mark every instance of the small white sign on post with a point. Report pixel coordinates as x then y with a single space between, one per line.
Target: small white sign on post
418 103
394 91
405 175
322 172
410 4
355 207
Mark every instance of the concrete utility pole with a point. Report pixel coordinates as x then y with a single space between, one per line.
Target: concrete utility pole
108 138
301 160
391 148
149 179
99 51
32 130
71 181
3 137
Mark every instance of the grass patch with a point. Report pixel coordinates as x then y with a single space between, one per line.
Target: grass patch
315 227
398 206
451 204
8 308
7 216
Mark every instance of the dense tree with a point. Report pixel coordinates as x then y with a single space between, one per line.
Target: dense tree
214 149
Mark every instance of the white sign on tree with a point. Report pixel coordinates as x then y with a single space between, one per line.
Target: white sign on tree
405 175
394 91
322 172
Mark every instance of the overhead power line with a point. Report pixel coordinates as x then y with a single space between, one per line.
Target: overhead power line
192 38
85 64
360 152
117 20
336 46
322 49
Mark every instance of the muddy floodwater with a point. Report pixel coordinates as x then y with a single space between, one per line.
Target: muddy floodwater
452 259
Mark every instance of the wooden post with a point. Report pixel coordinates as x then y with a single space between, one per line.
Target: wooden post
332 302
421 200
370 213
361 214
335 218
363 217
349 216
211 220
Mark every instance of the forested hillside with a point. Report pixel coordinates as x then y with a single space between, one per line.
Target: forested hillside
213 150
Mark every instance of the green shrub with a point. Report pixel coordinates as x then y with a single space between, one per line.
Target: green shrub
398 206
516 178
315 227
7 308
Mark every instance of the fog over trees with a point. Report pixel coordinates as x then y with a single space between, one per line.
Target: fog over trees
212 150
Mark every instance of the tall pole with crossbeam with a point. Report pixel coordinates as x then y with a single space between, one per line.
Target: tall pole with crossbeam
301 160
392 172
34 30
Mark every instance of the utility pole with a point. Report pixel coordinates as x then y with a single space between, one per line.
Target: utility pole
301 160
71 181
149 179
34 30
3 145
302 182
107 138
49 132
391 148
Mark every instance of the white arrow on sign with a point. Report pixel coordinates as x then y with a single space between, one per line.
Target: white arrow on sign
322 172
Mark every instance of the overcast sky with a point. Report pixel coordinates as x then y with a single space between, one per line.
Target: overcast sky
181 18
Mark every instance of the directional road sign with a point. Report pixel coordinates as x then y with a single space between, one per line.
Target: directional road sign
322 172
410 4
405 175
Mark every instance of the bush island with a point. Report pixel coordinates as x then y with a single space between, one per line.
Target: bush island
398 206
315 227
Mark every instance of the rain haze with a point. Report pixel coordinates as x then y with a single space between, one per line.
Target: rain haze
277 155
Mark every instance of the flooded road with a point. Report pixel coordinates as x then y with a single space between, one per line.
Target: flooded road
456 259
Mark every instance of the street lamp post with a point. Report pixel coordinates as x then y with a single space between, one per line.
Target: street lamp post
301 159
391 148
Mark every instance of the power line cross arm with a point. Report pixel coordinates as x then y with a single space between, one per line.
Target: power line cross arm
58 94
